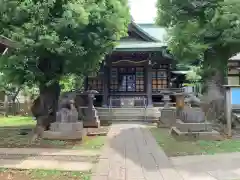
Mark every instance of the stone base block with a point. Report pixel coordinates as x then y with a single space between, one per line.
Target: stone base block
193 127
105 122
211 135
168 117
91 124
66 127
162 125
53 135
64 131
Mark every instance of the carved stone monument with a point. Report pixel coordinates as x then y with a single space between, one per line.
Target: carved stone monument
91 116
67 126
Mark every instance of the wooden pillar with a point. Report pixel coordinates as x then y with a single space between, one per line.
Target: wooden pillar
105 85
149 84
169 76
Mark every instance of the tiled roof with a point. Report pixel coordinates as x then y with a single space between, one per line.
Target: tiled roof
139 46
236 57
144 13
155 31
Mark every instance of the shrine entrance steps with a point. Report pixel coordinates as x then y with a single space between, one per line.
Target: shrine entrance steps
149 114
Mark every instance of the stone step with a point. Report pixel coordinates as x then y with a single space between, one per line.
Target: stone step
49 157
130 115
45 164
47 152
128 110
129 119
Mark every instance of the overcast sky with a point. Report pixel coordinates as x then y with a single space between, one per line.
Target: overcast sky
143 11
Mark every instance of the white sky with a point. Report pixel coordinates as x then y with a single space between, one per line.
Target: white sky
143 11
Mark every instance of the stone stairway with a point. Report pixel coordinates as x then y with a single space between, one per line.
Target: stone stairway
129 114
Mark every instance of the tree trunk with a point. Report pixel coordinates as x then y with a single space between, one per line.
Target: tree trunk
45 107
6 105
14 105
215 67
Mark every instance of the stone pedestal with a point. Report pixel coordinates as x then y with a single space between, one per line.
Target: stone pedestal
193 127
192 115
204 135
168 117
179 103
92 118
166 99
64 131
192 124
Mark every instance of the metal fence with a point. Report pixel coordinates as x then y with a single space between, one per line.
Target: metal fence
138 103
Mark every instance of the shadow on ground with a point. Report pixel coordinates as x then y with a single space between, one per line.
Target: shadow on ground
134 141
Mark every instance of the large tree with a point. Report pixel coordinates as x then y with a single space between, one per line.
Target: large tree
56 38
208 30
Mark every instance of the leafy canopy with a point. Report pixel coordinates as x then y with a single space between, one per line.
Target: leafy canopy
71 82
59 37
208 30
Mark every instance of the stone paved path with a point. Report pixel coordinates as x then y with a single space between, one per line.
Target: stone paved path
57 159
132 154
48 152
222 166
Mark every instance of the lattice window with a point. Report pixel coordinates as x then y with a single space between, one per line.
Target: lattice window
140 79
124 77
114 80
95 84
159 78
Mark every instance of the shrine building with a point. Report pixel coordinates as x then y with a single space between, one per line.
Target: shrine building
139 68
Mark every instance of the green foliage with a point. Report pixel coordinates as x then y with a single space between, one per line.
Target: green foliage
71 82
194 74
208 30
59 37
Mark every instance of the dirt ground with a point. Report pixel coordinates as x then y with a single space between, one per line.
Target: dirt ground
20 137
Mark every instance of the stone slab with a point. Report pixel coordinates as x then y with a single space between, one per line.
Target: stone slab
168 117
212 135
47 152
133 154
193 127
91 124
66 127
189 115
54 135
162 125
45 164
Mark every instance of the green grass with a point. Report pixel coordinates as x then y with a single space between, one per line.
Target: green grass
94 143
43 174
173 147
12 121
10 136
